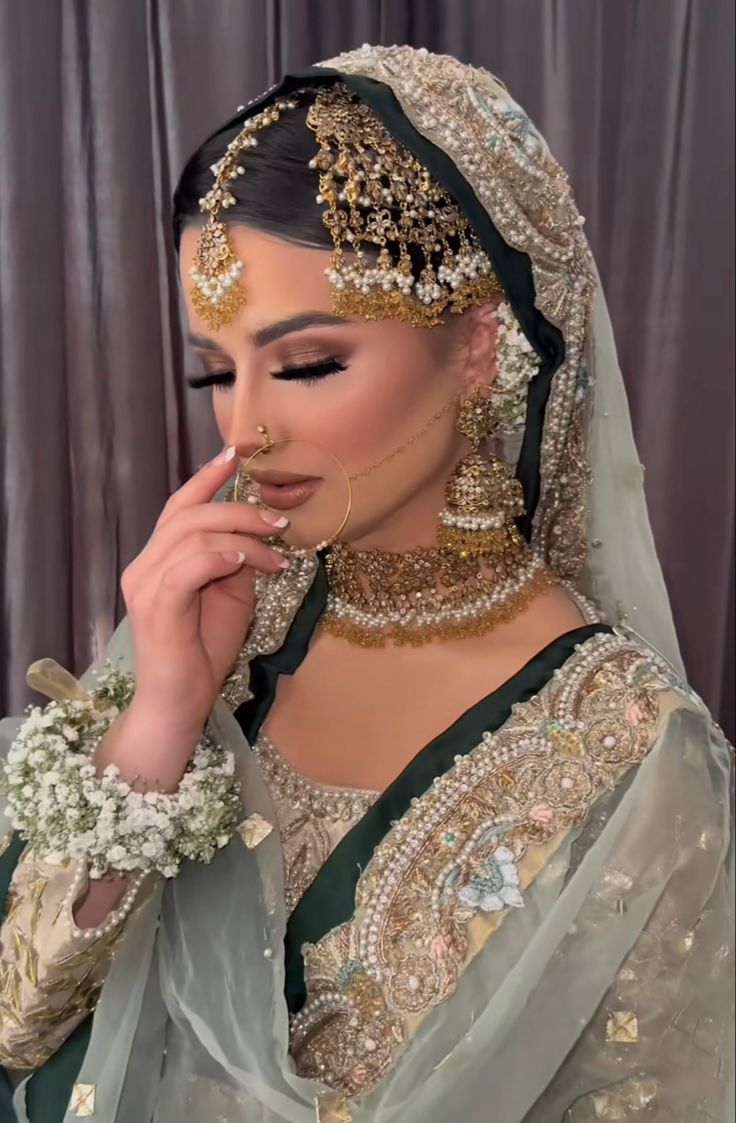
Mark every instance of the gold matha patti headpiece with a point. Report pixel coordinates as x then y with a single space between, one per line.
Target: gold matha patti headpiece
378 196
403 249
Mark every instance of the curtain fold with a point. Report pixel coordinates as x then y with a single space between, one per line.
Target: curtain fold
100 104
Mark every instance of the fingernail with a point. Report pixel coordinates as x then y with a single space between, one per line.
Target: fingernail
227 454
284 563
273 519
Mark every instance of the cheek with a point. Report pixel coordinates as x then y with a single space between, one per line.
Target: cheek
222 407
380 401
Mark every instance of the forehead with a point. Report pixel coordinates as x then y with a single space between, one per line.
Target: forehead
280 278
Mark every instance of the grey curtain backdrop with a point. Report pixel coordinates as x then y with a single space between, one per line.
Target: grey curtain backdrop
101 101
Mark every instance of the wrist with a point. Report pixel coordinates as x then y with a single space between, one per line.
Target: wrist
149 711
149 747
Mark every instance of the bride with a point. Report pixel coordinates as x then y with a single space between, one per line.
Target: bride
388 801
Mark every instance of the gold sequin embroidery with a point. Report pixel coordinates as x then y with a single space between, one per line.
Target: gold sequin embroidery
444 878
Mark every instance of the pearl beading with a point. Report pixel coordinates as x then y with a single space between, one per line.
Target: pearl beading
114 918
278 597
320 801
555 761
472 522
322 1006
589 610
396 853
417 617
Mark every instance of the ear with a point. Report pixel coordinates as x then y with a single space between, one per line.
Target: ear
480 352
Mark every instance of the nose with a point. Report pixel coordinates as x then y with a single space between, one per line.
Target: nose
246 449
245 424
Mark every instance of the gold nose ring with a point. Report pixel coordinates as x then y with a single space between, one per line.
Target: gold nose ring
268 443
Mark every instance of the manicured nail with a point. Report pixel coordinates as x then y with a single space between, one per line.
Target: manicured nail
273 519
284 563
227 454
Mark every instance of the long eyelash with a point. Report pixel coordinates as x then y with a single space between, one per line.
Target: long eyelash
308 373
223 380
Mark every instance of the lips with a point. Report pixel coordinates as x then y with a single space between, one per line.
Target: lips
274 476
284 490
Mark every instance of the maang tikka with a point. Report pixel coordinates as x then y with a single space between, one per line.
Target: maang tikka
482 497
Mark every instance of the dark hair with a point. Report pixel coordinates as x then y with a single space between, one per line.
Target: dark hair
278 192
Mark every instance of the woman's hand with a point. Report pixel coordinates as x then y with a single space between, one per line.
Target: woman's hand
189 593
189 596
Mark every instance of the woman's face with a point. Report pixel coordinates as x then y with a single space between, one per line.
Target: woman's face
356 389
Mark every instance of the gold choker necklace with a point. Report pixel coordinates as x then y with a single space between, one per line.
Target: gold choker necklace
432 593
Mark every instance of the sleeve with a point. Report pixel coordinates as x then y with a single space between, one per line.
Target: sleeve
51 971
660 1044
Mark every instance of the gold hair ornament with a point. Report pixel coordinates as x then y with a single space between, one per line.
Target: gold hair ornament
217 294
378 195
387 216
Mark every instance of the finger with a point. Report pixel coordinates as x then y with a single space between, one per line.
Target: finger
258 553
203 485
209 518
183 582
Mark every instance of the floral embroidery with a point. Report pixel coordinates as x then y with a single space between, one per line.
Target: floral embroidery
495 885
455 861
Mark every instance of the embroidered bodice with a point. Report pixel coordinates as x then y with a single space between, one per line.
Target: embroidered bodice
312 818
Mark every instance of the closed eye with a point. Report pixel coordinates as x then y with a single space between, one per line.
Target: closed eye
309 372
221 380
306 372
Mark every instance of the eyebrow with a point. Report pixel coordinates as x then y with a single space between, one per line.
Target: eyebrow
277 330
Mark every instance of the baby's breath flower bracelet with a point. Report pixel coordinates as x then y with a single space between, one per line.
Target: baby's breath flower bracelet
62 809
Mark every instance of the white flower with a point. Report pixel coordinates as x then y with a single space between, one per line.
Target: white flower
49 768
496 887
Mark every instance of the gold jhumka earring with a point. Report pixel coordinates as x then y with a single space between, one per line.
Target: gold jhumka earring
482 497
